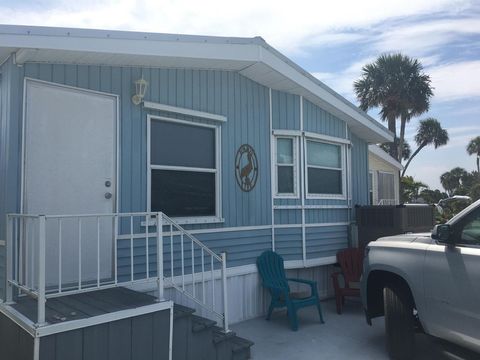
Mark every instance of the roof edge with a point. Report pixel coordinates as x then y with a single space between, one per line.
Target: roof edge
379 152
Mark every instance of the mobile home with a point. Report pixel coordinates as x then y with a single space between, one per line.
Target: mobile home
116 144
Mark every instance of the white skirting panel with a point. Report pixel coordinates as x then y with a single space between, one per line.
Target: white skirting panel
246 297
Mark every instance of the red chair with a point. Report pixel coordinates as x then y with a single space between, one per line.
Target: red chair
351 263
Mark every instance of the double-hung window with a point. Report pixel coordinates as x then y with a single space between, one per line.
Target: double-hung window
325 169
184 172
286 167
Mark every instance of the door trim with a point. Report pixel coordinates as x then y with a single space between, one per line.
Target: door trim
116 97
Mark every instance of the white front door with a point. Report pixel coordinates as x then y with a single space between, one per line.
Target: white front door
70 137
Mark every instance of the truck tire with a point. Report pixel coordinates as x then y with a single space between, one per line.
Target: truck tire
399 323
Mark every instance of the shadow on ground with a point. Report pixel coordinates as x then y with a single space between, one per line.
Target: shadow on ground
345 336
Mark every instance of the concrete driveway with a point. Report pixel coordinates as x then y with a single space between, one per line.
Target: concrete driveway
345 336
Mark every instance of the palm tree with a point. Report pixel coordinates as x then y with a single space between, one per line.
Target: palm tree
473 148
407 151
452 180
396 84
429 132
411 188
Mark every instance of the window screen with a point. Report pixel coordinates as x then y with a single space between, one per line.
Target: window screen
324 168
286 163
183 169
386 186
177 144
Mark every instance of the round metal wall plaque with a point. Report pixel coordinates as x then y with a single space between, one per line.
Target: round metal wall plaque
246 167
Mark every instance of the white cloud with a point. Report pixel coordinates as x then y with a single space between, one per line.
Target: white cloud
456 80
285 25
342 81
423 38
464 129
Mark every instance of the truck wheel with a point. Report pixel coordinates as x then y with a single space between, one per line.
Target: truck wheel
399 323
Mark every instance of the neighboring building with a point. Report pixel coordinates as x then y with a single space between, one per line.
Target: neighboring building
242 147
384 177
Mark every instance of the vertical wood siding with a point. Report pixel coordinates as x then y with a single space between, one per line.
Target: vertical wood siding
285 111
359 171
317 120
246 106
242 101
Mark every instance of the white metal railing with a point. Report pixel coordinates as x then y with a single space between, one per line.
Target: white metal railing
387 202
56 255
197 265
74 261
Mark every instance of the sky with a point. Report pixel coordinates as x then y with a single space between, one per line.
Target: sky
330 39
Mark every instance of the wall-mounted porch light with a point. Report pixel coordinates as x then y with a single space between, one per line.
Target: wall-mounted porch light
140 89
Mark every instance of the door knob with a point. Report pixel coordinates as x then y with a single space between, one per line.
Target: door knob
108 195
108 183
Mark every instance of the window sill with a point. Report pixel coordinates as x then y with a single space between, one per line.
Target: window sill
325 196
286 196
190 220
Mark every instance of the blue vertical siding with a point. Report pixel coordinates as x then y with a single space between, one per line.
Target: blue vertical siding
317 120
359 171
246 106
10 141
244 103
285 111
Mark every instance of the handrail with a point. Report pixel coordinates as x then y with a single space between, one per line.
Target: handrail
31 273
191 237
29 235
199 297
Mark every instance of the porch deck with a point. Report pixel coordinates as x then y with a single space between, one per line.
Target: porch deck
84 305
345 336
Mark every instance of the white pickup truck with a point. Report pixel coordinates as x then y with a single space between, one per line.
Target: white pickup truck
426 282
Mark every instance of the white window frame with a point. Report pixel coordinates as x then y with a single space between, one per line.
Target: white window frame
296 192
374 190
342 145
217 218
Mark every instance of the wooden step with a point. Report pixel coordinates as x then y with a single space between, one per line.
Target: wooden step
241 348
199 338
200 323
182 329
201 345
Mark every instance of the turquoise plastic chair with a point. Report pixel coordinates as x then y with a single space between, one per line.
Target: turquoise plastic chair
270 267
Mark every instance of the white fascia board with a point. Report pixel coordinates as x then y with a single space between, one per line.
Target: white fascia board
378 152
213 51
289 71
252 51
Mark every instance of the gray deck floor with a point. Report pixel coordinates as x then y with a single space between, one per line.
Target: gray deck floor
84 305
345 336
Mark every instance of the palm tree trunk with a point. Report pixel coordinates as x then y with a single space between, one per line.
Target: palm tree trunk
403 122
393 128
411 157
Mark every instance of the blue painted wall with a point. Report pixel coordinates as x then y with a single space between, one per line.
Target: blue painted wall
245 103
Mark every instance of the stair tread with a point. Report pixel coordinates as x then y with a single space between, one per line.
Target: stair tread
219 335
239 343
200 323
181 311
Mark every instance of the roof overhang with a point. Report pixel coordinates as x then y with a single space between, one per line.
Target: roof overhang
379 153
251 57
